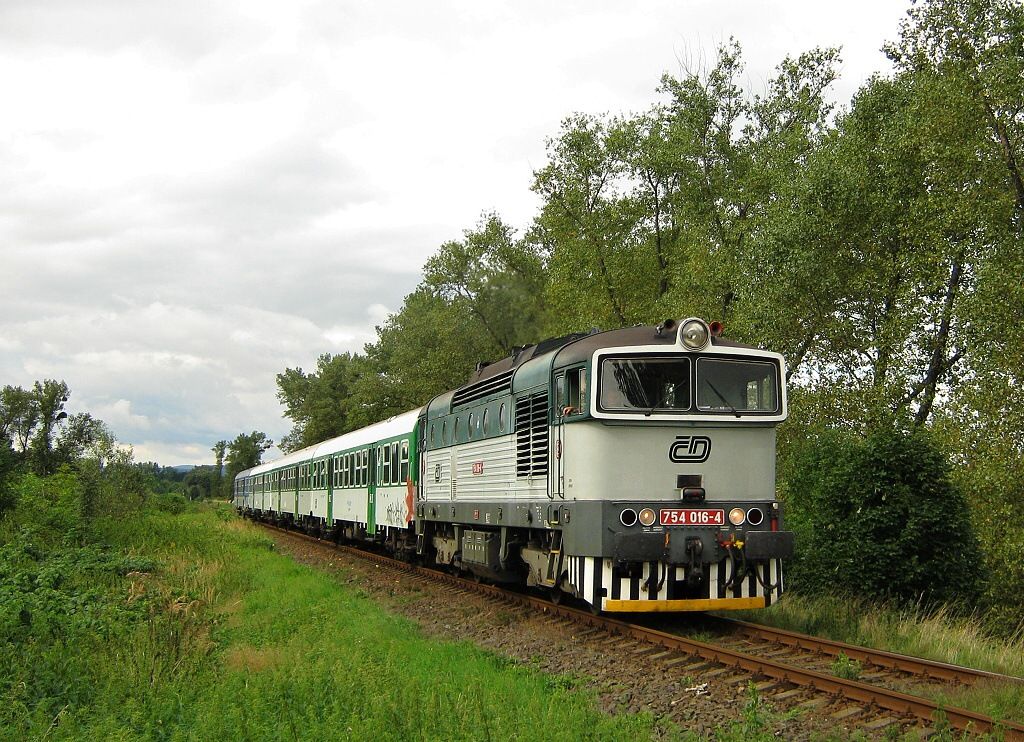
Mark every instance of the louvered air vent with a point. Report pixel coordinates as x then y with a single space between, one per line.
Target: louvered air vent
532 435
499 383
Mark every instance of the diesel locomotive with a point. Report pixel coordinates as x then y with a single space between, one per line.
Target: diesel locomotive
633 470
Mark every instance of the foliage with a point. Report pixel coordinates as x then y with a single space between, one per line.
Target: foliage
844 667
879 515
318 402
34 424
8 466
244 452
202 482
190 626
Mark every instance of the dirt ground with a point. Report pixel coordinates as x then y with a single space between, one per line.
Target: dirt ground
627 676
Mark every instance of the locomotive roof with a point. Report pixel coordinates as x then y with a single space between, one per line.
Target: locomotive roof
530 365
578 347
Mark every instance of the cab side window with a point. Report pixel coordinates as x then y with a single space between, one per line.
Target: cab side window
571 392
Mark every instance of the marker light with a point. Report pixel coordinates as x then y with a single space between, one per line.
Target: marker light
647 517
716 328
694 334
737 516
755 516
628 517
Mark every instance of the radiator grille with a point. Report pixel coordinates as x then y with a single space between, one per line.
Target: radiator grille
499 383
532 435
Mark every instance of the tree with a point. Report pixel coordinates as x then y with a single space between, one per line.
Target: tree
50 397
318 402
19 412
245 452
219 450
82 433
662 214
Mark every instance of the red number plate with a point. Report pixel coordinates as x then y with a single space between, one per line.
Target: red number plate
680 517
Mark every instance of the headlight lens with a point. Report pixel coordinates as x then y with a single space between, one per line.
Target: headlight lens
755 517
647 517
737 516
694 334
628 517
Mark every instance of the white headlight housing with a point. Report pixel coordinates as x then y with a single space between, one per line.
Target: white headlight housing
694 334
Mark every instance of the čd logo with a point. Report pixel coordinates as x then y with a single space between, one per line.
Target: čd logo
690 449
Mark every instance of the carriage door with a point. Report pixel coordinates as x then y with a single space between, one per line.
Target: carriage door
557 488
371 491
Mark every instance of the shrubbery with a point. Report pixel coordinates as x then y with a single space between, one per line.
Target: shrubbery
878 516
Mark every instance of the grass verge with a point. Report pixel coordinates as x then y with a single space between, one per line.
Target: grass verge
196 629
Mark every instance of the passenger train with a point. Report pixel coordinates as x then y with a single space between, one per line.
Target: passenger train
633 470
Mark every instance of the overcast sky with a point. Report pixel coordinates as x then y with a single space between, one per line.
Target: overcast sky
195 196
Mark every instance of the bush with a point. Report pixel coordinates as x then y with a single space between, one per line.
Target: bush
878 516
170 502
8 465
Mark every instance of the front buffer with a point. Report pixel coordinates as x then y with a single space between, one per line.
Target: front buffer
667 557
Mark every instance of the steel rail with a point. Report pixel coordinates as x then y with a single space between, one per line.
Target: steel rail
878 657
853 690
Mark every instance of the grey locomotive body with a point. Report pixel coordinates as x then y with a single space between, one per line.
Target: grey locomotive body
626 468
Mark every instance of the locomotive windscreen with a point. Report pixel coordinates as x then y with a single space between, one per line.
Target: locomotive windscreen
736 386
645 383
652 385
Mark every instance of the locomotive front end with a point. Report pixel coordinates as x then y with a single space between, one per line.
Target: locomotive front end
663 476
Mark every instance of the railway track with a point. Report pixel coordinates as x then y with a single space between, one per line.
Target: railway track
776 673
879 664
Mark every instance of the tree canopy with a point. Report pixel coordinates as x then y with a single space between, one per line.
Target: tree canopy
876 244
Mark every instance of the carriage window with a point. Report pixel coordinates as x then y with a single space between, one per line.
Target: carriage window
405 463
470 424
485 424
386 478
501 418
737 386
394 463
648 384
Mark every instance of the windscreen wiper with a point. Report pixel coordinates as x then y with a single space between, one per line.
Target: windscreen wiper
721 397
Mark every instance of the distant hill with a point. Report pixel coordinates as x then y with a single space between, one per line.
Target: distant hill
183 468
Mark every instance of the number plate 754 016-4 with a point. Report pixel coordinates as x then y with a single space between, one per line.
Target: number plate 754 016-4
692 517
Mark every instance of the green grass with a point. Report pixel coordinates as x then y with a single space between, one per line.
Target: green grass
224 639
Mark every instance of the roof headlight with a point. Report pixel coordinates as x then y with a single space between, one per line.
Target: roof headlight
694 334
737 516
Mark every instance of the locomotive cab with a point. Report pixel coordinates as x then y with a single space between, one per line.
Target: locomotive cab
664 462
